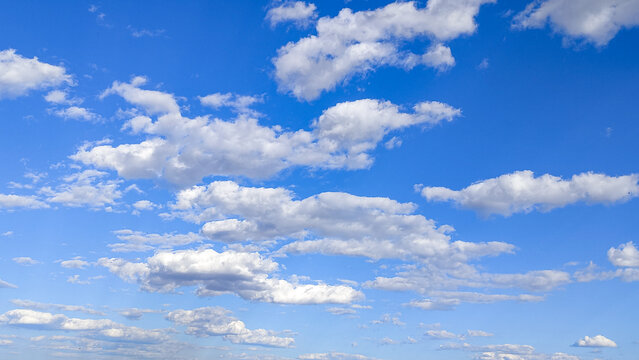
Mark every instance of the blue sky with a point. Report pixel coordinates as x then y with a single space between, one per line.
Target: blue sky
448 179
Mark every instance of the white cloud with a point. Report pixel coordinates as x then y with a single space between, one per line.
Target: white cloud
45 306
140 241
20 201
478 333
441 334
85 189
145 205
333 356
625 255
328 223
7 233
105 328
74 264
357 42
299 12
595 21
595 341
60 97
447 300
238 103
217 321
183 150
76 113
521 191
4 284
25 260
240 273
19 75
135 313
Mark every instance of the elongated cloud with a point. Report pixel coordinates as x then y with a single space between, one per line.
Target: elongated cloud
217 321
12 201
298 12
521 191
244 274
19 75
595 21
357 42
183 150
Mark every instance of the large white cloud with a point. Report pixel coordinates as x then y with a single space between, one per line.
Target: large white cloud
19 75
521 191
215 273
184 150
595 21
217 321
595 341
356 42
330 223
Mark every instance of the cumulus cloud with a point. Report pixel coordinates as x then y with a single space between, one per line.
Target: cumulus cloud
76 263
328 223
60 97
333 356
357 42
145 205
625 255
298 12
595 341
506 352
238 103
594 21
19 75
183 150
244 274
140 241
447 300
135 313
85 189
12 201
521 191
217 321
104 328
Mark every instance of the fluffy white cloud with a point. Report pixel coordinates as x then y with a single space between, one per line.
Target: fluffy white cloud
441 334
183 150
85 189
145 205
328 223
595 21
104 328
20 201
45 306
447 300
139 241
241 273
19 75
60 97
625 255
217 321
595 341
521 191
238 103
135 313
506 352
299 12
356 42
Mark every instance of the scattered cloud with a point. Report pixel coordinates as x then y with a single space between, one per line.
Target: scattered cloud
358 42
521 191
302 14
19 75
596 22
25 260
595 341
60 307
217 321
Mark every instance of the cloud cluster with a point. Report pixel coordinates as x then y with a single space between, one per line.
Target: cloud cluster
184 150
85 189
102 328
247 275
217 321
19 75
521 191
595 21
12 201
140 241
356 42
